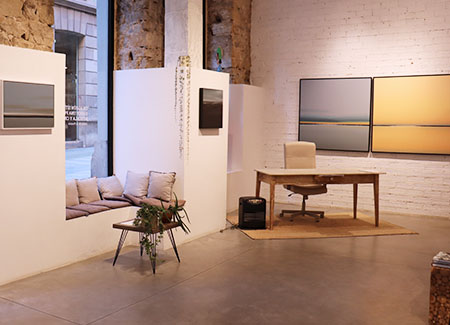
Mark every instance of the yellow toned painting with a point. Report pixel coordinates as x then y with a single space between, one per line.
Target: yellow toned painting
423 100
411 139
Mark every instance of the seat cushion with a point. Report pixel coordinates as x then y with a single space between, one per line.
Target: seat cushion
89 208
117 198
133 199
111 204
165 205
72 214
307 189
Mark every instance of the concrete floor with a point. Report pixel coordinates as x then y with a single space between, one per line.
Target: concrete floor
227 278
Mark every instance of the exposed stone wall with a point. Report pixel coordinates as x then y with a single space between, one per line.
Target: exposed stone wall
139 34
27 23
228 27
240 34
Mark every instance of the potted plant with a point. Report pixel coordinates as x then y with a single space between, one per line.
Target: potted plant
152 219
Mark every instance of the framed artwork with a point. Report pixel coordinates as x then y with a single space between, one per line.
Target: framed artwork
411 114
335 113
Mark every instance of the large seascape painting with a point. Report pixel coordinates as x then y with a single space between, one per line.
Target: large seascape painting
335 113
412 114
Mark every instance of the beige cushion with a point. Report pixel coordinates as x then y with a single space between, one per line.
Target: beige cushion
136 184
71 193
109 186
300 154
160 185
87 190
72 214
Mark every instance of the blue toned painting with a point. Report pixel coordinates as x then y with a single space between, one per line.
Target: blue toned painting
335 113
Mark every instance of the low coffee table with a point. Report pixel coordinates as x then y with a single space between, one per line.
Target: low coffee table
129 226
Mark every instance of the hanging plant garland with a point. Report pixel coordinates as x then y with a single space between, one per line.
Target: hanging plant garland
182 96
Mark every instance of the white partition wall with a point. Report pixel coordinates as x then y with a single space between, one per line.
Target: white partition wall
147 137
34 234
245 151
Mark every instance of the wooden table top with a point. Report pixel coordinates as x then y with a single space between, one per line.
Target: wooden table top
129 225
315 171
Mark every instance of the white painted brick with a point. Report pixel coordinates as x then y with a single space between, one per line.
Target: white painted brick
307 39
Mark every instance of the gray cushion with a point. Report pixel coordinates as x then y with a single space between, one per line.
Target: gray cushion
109 186
117 198
133 199
111 204
160 185
89 208
71 193
87 190
72 214
165 205
136 184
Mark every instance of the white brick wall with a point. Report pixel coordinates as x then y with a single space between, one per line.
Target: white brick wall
293 39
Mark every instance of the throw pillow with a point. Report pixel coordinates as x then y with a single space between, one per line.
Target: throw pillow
110 186
87 190
71 193
136 184
160 185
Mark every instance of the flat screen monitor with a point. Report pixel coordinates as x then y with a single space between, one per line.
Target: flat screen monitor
335 113
211 108
27 105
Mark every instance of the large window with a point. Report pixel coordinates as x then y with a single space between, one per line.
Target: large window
76 35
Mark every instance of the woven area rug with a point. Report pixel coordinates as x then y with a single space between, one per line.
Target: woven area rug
334 225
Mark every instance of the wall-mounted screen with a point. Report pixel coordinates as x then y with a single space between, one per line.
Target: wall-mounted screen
335 113
411 114
26 105
211 108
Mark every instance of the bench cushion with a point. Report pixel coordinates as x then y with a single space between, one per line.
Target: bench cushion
111 204
117 198
89 208
72 214
166 205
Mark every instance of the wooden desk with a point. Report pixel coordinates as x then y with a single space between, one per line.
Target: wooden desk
318 176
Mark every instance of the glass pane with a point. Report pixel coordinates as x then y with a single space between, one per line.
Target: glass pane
76 37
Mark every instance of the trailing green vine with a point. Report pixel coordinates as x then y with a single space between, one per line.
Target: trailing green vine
152 218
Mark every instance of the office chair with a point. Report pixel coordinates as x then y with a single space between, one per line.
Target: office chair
302 154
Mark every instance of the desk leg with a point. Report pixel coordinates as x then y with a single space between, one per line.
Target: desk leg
355 199
258 185
272 203
376 198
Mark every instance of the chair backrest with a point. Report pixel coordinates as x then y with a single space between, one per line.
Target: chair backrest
300 154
